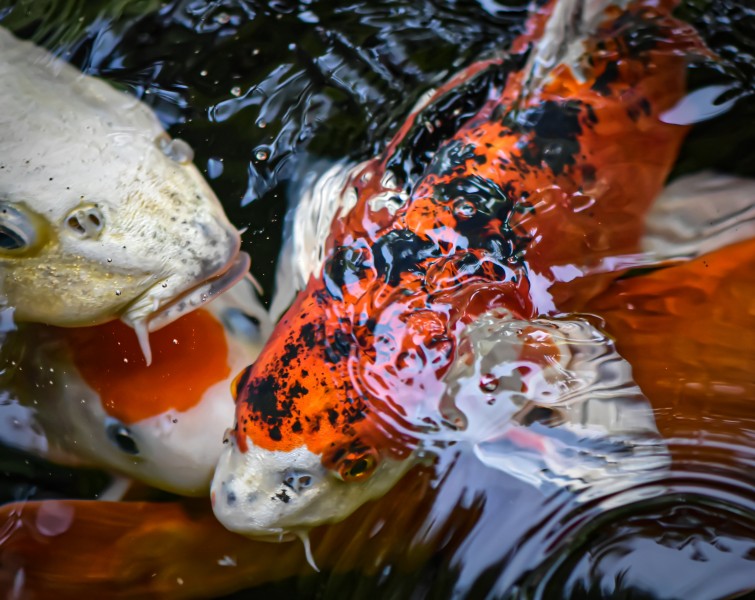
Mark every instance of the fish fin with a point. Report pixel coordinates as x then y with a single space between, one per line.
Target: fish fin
562 407
151 549
700 213
562 41
321 196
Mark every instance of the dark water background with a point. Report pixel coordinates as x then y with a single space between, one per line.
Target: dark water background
261 88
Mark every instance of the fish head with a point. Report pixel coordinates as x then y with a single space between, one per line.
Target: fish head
305 450
161 424
102 214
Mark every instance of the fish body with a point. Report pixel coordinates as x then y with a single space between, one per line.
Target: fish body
164 548
102 214
544 184
85 396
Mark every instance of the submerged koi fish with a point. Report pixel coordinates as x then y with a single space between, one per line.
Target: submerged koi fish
87 398
102 215
546 183
175 551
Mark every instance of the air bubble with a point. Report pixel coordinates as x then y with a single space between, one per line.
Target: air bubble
464 209
262 154
488 382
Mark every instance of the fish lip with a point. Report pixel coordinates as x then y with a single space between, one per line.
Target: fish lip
201 293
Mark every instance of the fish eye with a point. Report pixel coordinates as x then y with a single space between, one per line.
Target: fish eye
122 437
17 230
357 467
86 222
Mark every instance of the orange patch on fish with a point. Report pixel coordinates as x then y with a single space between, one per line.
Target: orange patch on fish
189 356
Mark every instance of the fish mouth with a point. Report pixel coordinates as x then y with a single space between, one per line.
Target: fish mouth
144 321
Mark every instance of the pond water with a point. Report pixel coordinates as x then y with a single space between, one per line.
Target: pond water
261 90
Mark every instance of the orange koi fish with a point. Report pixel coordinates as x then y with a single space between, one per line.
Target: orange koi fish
178 550
544 184
87 397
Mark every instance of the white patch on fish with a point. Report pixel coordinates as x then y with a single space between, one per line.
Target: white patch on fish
61 418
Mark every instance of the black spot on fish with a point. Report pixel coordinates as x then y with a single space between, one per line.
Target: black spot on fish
346 266
283 496
308 335
267 405
297 390
450 157
440 120
338 346
608 76
401 252
551 132
291 351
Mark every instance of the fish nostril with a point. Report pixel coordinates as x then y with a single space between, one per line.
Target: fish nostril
297 481
87 222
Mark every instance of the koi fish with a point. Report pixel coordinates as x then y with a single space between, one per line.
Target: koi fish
102 214
178 550
85 396
544 184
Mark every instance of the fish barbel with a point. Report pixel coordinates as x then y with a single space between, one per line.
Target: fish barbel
551 178
102 214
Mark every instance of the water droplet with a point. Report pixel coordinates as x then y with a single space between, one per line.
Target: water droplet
261 154
203 73
261 123
175 341
255 52
117 292
464 209
222 18
110 260
236 91
488 382
165 285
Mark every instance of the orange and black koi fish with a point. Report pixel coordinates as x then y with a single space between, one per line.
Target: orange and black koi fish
548 180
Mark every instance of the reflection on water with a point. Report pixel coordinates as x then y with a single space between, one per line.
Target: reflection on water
257 88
